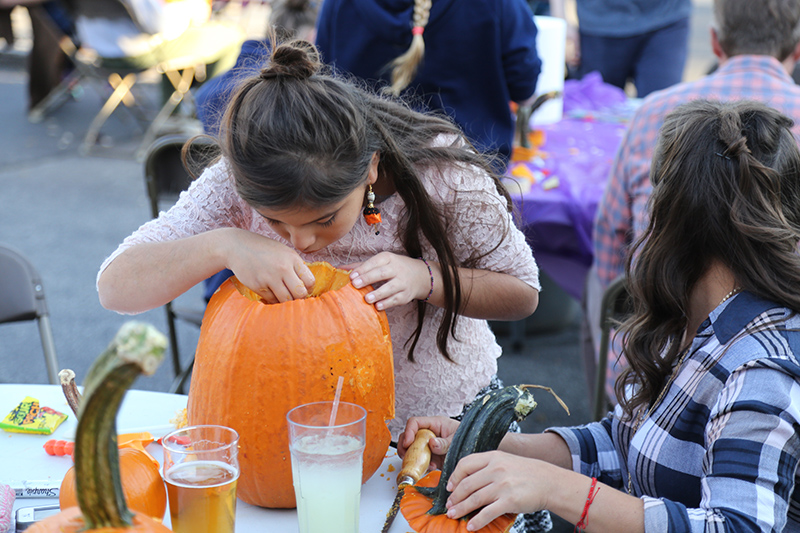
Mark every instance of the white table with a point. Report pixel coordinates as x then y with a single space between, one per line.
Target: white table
23 458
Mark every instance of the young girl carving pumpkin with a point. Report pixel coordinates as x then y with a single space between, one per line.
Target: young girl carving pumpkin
301 151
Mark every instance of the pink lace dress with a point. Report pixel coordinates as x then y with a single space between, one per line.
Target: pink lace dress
477 222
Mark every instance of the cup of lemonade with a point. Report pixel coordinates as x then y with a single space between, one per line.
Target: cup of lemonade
201 467
326 465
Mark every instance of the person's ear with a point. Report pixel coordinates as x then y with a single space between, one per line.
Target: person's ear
372 177
716 47
795 55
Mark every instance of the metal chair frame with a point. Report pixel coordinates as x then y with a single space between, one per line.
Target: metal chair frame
615 307
22 298
181 72
165 178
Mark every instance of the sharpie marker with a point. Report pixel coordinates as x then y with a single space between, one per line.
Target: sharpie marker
36 489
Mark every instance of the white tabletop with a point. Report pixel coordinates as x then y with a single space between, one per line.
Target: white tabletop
23 458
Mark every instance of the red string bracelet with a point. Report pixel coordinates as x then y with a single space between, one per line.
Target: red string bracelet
430 273
584 521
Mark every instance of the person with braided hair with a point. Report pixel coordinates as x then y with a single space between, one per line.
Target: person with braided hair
705 435
307 159
465 58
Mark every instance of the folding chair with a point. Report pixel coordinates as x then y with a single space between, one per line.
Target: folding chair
22 298
166 177
615 307
122 74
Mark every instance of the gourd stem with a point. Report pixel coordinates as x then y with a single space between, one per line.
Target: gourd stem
548 389
136 349
71 393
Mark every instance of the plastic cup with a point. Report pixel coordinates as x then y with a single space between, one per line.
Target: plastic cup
327 465
201 469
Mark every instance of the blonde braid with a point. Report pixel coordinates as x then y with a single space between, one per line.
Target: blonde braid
404 67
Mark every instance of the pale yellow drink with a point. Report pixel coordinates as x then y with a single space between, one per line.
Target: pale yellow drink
202 497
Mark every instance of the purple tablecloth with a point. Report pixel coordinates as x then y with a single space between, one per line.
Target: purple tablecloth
557 213
557 190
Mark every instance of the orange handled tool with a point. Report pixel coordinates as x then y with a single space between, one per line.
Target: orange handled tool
415 464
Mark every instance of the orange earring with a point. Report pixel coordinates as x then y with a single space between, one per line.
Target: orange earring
371 213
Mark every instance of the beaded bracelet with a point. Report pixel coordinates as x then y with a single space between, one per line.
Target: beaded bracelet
430 273
584 521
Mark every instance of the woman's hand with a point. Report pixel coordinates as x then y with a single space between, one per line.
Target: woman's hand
273 270
498 483
444 428
402 279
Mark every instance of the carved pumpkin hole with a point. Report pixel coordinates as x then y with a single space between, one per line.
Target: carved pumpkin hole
326 278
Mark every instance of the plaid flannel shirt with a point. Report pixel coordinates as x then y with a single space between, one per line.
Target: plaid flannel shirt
720 451
622 213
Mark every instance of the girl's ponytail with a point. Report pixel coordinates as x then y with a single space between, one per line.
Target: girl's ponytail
404 67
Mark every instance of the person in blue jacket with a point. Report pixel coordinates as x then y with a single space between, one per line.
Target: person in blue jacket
466 58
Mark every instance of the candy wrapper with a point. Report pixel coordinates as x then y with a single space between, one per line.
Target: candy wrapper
29 417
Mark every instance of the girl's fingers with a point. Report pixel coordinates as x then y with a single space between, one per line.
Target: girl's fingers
268 296
305 275
472 493
466 466
485 516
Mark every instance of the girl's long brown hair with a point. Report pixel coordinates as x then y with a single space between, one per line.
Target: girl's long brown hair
297 136
726 187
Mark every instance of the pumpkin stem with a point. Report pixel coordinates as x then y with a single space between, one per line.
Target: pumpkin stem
137 348
71 393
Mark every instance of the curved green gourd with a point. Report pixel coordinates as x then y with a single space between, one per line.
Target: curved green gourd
137 348
483 427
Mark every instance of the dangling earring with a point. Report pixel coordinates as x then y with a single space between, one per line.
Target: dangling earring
371 213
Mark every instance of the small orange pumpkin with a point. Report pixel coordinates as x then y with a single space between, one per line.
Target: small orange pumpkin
415 509
255 361
141 482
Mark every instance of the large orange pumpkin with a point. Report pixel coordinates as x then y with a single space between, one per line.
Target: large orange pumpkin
254 362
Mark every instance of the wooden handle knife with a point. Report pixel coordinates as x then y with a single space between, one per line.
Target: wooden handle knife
415 464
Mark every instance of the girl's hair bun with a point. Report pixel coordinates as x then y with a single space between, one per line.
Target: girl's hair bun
297 59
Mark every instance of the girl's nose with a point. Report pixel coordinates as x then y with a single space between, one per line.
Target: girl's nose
302 239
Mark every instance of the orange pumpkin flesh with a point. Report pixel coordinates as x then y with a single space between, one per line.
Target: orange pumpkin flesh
71 521
141 483
415 507
255 361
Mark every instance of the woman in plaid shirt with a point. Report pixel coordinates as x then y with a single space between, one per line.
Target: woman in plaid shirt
705 437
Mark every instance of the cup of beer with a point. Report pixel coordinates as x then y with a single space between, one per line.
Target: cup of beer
201 468
327 458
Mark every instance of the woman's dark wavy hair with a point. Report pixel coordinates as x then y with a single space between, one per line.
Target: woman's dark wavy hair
726 187
297 136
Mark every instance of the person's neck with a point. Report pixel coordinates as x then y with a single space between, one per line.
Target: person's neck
384 186
788 64
715 285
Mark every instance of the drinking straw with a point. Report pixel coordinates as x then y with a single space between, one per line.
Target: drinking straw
336 400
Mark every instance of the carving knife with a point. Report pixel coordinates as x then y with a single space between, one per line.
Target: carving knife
415 464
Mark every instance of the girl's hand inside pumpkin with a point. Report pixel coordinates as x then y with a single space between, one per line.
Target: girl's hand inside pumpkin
271 269
496 483
399 279
444 428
